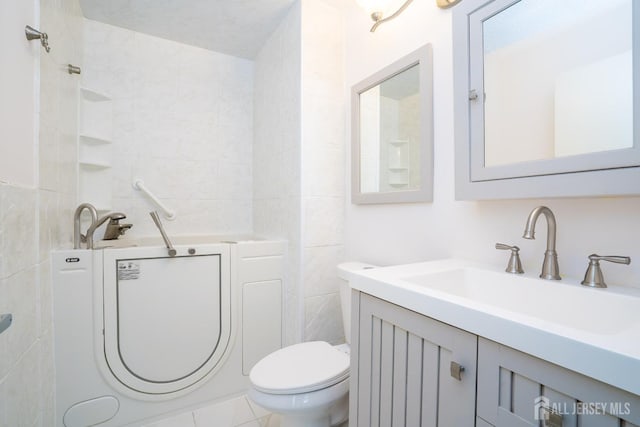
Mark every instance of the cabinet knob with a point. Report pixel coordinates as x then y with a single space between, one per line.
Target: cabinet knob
456 370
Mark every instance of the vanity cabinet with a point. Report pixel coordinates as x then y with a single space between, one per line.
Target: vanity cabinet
515 389
403 374
403 366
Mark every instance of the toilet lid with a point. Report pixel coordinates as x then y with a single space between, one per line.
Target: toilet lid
300 368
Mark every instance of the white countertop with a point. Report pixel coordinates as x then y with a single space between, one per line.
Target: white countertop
605 345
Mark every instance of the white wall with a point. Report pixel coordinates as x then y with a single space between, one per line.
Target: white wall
18 64
182 122
36 212
391 234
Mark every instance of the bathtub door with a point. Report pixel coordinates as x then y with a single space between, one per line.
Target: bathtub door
166 319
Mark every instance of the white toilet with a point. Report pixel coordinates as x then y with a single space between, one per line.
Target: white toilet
307 384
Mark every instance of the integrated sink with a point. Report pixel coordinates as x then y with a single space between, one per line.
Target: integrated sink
595 332
566 304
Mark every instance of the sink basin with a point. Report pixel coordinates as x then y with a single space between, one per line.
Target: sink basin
595 332
591 310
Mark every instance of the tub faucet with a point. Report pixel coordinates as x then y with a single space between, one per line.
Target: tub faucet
116 216
550 269
115 229
78 237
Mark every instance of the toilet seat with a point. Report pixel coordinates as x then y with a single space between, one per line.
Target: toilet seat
300 368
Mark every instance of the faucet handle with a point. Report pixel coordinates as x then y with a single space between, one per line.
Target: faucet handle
593 276
514 266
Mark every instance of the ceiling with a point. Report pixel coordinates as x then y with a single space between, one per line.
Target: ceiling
233 27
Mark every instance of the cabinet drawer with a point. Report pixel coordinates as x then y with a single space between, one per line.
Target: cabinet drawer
516 389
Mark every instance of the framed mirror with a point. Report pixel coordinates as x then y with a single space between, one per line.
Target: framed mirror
392 133
546 98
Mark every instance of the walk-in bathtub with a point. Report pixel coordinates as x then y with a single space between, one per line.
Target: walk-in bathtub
140 334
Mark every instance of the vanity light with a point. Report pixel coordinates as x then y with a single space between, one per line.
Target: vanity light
378 9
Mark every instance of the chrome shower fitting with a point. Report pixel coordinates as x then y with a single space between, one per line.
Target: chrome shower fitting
33 34
72 69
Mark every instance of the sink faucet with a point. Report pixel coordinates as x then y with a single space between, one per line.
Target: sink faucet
550 269
77 235
115 216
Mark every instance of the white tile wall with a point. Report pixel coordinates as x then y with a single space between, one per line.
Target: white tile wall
299 157
182 122
277 151
323 167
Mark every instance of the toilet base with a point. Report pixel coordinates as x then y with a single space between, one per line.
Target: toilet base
323 408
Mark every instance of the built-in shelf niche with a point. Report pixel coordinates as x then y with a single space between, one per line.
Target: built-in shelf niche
95 149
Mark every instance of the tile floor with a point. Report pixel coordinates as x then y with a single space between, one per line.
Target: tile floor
236 412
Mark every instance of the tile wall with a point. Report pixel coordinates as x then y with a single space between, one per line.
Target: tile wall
34 220
182 122
277 154
299 162
323 167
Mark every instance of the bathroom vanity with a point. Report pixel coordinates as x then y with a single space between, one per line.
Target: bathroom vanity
453 343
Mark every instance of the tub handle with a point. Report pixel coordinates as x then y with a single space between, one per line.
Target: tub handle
156 219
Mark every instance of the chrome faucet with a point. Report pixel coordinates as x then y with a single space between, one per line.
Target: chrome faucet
78 237
115 229
550 269
97 223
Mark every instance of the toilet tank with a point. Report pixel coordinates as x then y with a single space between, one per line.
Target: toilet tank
345 273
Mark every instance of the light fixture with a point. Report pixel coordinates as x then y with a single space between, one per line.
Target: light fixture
378 9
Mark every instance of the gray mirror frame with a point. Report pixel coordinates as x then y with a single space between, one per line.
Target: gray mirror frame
590 183
424 57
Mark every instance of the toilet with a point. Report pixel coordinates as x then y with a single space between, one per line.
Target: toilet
307 384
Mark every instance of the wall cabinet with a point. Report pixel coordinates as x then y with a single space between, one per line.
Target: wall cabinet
403 373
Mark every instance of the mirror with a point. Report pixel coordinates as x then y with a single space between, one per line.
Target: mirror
576 104
392 133
545 98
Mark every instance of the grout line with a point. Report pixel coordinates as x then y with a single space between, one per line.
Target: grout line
255 417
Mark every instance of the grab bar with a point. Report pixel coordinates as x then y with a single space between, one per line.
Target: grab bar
5 322
138 184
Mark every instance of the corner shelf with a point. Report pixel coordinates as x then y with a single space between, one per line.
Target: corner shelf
95 148
398 163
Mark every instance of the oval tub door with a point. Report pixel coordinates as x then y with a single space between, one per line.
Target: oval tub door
166 319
